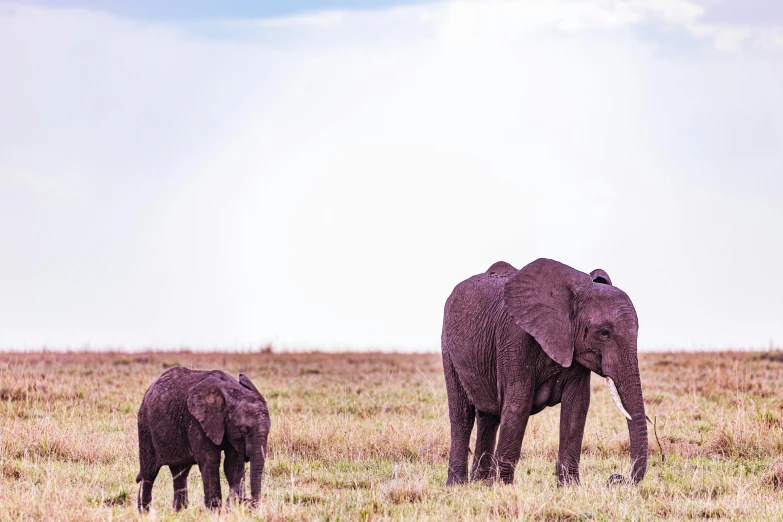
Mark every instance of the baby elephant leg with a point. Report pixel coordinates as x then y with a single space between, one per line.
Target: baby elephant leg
209 466
234 467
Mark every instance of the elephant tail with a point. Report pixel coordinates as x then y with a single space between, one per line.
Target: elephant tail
138 477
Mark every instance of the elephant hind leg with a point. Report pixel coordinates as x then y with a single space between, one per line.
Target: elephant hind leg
483 467
148 477
148 469
461 414
180 475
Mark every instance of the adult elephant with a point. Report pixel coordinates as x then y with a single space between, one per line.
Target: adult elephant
517 341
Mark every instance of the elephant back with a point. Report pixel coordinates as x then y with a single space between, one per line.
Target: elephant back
480 296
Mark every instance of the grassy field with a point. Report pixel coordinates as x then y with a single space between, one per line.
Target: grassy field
365 436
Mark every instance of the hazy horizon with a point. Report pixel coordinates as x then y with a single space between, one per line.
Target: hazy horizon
320 174
282 350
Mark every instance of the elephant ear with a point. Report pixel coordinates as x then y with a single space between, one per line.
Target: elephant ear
599 276
501 268
207 404
244 380
540 299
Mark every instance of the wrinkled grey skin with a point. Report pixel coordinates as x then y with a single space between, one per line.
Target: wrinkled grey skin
188 417
517 341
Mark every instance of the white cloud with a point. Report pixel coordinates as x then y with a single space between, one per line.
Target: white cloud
325 180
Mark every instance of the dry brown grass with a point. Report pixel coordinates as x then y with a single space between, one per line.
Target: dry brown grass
365 436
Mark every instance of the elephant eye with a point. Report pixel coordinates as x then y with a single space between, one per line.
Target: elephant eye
604 333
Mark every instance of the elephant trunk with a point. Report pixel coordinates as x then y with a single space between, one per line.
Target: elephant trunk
630 392
257 461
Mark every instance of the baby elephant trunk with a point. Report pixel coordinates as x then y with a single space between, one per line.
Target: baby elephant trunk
257 461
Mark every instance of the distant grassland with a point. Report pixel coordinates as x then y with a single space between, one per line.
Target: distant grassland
365 437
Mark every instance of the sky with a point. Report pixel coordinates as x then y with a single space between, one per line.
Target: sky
321 174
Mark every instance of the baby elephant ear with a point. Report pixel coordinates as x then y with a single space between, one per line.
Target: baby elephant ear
599 276
540 299
244 380
207 404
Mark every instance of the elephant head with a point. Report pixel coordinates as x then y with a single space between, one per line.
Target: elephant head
238 415
584 318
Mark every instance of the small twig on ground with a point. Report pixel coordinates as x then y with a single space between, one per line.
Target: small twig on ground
655 431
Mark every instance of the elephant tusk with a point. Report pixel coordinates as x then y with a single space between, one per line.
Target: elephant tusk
616 397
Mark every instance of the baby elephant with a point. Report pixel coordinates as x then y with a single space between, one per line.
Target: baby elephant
188 417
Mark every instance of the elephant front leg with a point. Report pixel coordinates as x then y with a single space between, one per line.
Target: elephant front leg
573 414
510 446
514 414
234 467
209 466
